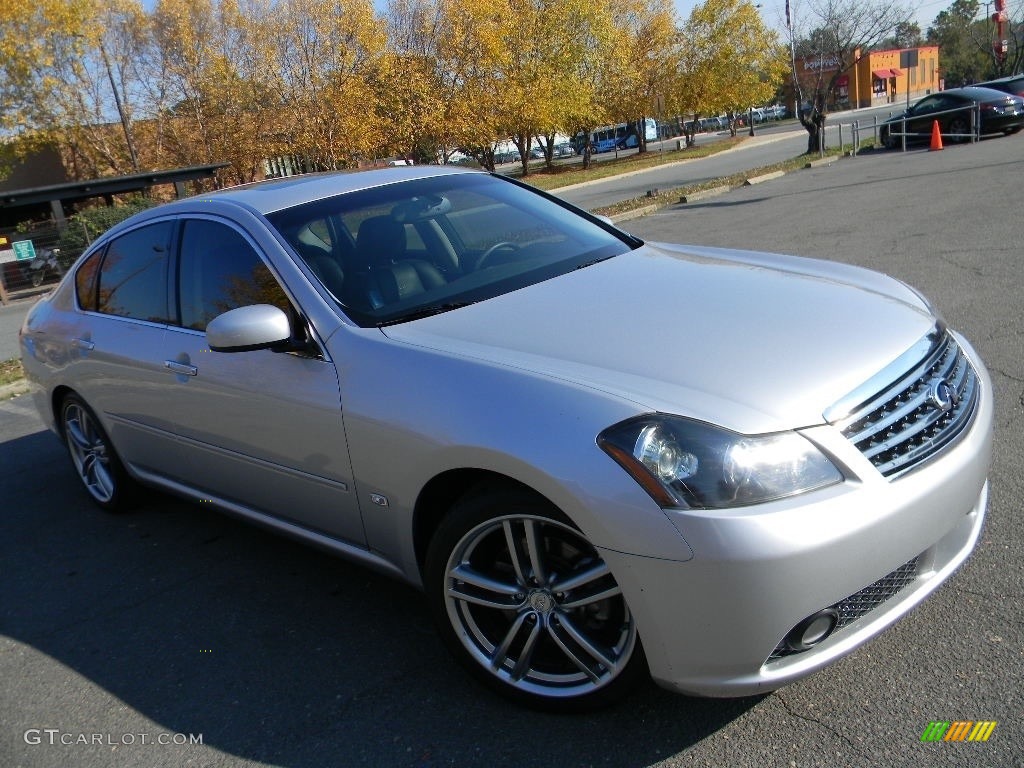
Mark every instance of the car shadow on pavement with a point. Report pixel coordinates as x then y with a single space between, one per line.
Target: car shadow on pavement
275 652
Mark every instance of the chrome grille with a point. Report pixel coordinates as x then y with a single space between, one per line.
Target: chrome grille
920 414
864 601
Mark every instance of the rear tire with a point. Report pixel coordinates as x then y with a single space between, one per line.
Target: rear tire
959 125
528 606
96 462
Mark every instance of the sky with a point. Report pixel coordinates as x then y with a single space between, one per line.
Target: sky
774 11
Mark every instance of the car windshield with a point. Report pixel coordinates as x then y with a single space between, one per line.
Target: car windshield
401 251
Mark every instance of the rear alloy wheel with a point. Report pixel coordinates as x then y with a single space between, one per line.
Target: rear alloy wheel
96 463
959 127
528 605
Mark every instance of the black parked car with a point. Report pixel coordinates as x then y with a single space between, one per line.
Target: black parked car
1000 113
1013 84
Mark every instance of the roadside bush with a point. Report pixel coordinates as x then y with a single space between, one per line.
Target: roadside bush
88 224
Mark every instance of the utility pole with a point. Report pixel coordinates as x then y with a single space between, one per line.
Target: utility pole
120 111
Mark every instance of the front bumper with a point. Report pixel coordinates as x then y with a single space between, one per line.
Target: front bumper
710 625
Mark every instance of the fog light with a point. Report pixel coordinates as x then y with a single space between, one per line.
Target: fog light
812 630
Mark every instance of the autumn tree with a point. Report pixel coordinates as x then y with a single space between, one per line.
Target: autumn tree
208 84
329 54
592 77
840 30
69 80
470 53
731 60
552 50
641 65
411 90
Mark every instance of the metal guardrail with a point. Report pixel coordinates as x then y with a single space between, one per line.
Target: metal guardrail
974 134
859 131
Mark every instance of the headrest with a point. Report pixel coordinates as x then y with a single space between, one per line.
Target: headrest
380 240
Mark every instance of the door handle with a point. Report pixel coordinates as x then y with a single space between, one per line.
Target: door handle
183 368
82 344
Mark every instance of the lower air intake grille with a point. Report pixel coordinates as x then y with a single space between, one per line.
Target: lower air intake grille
863 602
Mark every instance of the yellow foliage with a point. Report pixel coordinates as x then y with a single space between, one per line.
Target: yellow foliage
730 59
330 83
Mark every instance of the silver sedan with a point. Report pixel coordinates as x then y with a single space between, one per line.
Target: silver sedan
602 459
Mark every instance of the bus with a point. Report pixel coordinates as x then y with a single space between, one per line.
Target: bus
619 136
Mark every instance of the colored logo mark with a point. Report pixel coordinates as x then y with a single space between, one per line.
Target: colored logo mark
959 730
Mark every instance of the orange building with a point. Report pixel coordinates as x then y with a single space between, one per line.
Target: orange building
882 77
878 77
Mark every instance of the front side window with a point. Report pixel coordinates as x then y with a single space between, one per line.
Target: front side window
132 280
219 271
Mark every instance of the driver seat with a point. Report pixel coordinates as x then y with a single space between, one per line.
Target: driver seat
381 244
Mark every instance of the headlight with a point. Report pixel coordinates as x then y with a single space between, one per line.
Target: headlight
684 463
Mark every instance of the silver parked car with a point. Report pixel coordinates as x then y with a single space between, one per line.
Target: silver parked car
600 458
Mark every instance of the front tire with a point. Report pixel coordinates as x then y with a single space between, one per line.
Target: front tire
93 456
529 606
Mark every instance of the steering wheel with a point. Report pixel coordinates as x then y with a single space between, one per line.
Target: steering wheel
502 245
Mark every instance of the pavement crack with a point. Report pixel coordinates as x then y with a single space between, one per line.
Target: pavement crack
854 747
1007 374
976 271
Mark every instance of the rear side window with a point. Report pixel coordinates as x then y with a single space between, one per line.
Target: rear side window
85 282
132 280
219 271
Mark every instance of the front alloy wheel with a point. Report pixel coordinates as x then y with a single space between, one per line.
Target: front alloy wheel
529 606
960 128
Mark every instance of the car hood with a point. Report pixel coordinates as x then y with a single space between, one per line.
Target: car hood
753 342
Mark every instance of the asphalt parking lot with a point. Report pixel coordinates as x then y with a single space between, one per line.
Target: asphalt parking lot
174 622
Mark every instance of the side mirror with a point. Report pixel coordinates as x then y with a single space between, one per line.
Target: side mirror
258 326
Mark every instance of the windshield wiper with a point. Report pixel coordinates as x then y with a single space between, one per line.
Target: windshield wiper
433 309
592 262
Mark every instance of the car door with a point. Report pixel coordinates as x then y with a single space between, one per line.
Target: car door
924 113
123 307
263 429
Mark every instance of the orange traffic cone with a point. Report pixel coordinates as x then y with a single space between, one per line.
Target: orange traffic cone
936 137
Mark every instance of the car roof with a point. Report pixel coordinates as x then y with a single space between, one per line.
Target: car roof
278 194
976 93
1006 79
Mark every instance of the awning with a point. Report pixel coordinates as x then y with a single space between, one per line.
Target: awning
896 72
885 74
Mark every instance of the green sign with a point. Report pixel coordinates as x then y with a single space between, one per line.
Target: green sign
23 250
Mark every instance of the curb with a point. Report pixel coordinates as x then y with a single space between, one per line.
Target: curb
15 388
704 194
821 161
636 213
764 177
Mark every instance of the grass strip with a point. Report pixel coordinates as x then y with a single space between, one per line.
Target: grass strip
11 371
